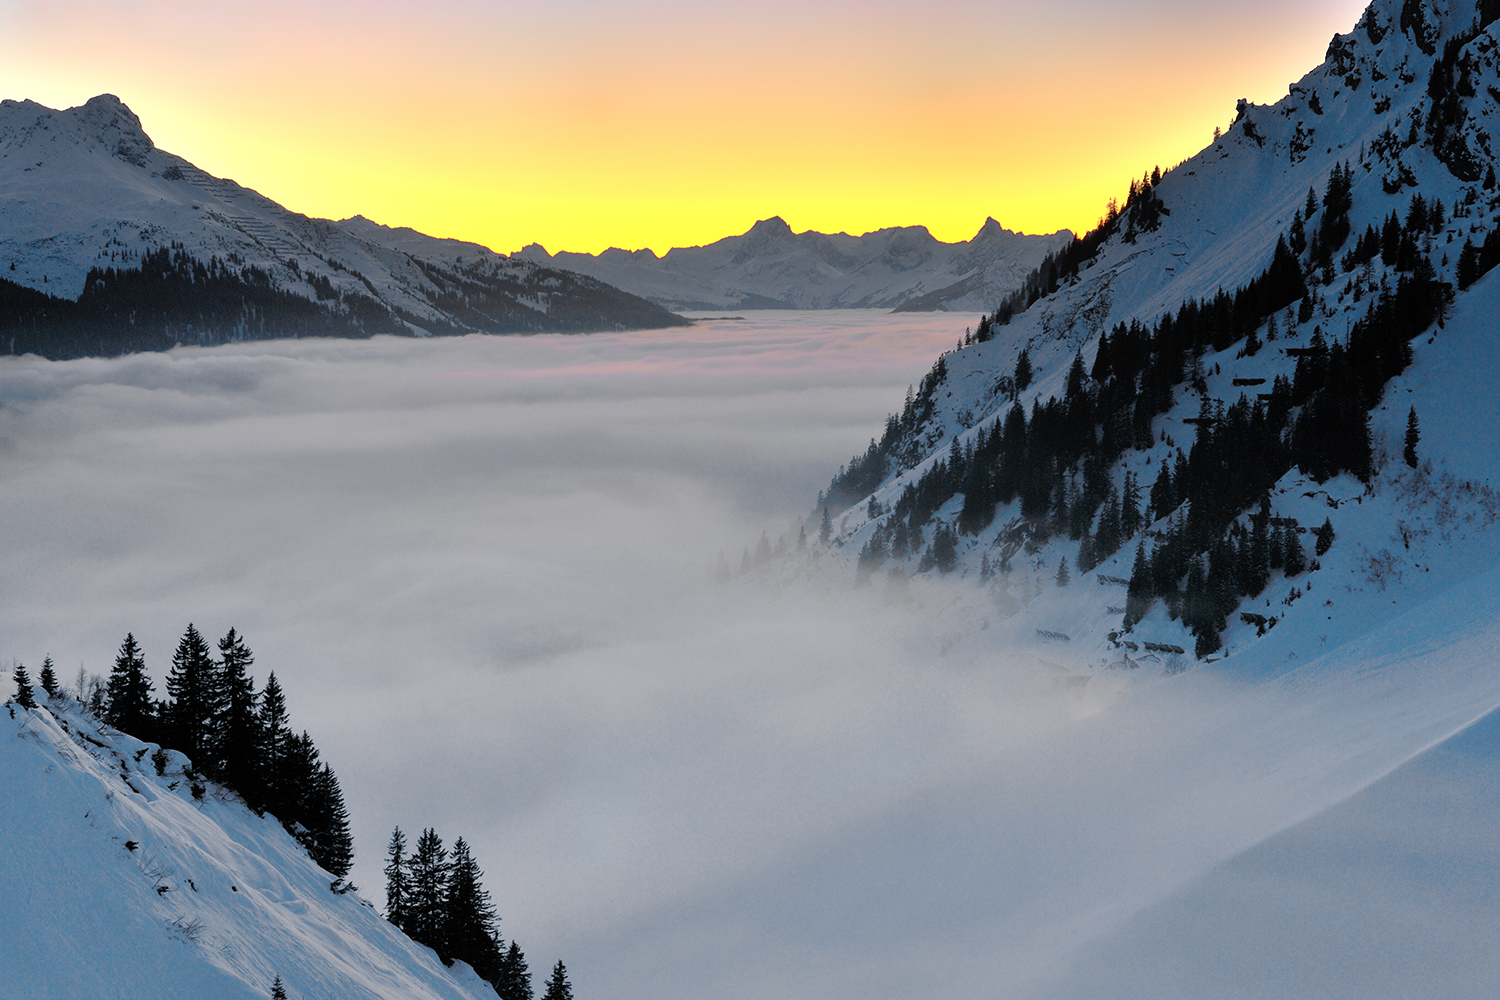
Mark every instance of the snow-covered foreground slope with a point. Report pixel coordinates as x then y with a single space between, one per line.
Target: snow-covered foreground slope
1389 894
771 267
85 188
118 882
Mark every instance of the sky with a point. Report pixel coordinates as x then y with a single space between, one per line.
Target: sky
480 569
584 124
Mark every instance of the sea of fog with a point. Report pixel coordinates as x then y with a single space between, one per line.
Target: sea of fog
482 569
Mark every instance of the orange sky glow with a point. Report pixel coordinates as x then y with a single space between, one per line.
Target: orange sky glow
584 124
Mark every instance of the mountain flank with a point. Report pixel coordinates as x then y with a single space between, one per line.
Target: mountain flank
1256 403
110 245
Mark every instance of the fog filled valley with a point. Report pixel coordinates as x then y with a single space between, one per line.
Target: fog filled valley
482 569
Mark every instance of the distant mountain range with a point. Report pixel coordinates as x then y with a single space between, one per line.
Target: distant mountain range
108 244
771 267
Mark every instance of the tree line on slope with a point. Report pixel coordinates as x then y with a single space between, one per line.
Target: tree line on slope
168 298
439 900
1058 463
231 733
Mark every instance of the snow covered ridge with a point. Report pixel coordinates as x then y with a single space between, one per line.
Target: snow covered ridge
125 884
108 245
1231 360
771 267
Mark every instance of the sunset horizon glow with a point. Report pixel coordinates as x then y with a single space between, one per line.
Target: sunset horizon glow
586 124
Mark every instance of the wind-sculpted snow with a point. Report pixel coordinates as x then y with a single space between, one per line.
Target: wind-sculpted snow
119 881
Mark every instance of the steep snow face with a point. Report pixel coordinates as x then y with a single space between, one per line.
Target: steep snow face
772 267
1369 105
87 188
122 882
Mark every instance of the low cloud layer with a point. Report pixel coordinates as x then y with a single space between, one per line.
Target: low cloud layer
480 568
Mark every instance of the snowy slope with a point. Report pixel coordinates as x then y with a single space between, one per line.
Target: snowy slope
87 188
120 884
771 267
1228 207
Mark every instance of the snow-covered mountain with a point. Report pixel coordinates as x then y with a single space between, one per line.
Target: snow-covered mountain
129 886
86 190
1409 102
771 267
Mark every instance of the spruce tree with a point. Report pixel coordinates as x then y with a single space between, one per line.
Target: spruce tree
429 887
396 887
1294 561
48 677
1325 538
515 977
278 991
273 782
238 729
1258 556
825 530
130 708
469 918
558 987
196 699
1130 507
1413 435
25 697
1062 573
326 823
1023 372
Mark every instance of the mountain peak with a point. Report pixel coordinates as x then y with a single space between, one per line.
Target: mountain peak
105 120
774 226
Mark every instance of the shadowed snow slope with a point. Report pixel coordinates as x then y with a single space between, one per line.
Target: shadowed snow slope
120 884
86 188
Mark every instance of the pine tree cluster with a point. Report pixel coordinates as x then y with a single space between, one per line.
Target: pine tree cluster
236 736
439 900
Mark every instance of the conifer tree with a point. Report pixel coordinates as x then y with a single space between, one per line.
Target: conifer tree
25 697
1294 561
130 708
1023 373
239 731
1258 555
1130 507
469 919
515 977
326 822
1413 435
1325 538
1062 573
275 747
48 677
429 886
278 991
825 530
197 699
396 880
558 987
